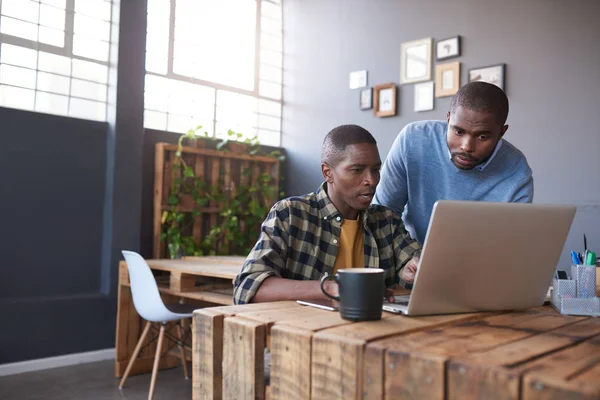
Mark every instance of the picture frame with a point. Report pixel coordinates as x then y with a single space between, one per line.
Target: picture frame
447 79
494 74
358 79
424 96
384 100
415 61
366 99
447 48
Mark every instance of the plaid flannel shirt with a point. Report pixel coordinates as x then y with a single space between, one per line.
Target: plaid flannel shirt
299 240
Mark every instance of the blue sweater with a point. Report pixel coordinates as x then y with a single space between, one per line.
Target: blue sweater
417 172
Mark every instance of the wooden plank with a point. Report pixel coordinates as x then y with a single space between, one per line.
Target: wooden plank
159 161
243 359
195 267
423 354
337 353
290 363
244 308
199 172
214 181
497 372
180 282
572 373
207 359
222 154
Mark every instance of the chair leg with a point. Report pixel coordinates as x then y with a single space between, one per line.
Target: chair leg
138 346
161 335
182 350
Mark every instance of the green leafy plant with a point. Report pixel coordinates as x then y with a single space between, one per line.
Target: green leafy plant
239 214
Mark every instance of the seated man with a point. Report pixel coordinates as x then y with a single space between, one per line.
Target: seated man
334 228
462 158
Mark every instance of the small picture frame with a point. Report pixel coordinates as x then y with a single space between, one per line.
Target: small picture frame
447 48
447 79
424 96
494 74
366 99
384 100
415 61
358 79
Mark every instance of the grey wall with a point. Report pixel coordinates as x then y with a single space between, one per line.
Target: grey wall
550 48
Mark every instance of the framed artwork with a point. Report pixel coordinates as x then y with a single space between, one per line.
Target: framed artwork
415 61
358 79
366 99
424 96
447 48
447 79
384 103
494 74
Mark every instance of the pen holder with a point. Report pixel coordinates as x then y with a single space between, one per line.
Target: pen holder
564 288
585 276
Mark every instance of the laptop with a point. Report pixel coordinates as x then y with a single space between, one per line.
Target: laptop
485 256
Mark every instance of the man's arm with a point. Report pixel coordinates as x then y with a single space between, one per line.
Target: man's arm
408 252
279 289
524 192
392 190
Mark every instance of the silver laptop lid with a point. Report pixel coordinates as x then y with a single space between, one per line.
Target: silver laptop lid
481 256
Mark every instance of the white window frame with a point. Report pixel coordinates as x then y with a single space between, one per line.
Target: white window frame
221 87
66 51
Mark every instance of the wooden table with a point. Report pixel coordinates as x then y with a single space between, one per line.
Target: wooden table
206 281
532 354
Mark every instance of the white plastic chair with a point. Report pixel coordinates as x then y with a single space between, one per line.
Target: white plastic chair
149 305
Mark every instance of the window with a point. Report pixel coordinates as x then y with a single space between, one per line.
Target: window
54 56
215 63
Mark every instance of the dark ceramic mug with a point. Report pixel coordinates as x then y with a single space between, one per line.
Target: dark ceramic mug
361 292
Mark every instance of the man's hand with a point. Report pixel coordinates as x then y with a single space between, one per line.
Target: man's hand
410 269
389 294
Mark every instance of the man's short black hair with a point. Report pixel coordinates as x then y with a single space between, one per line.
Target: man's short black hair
483 97
339 138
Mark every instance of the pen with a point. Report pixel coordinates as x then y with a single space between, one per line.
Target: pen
584 242
575 258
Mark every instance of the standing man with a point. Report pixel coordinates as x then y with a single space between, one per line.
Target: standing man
334 228
462 158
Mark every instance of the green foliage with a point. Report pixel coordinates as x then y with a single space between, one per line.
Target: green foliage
240 215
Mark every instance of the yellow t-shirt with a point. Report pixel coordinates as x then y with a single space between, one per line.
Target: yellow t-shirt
351 253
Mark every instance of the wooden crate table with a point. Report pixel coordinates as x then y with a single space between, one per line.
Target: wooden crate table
531 354
206 281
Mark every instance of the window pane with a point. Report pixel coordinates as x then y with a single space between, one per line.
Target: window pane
17 76
179 123
269 73
273 58
268 89
25 10
51 103
99 9
91 27
236 112
269 138
228 60
268 122
52 83
16 97
56 3
271 25
87 109
271 42
157 51
90 48
16 55
52 17
88 90
52 36
269 108
14 27
155 120
270 10
54 63
90 71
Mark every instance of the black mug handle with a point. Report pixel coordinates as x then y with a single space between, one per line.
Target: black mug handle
332 277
